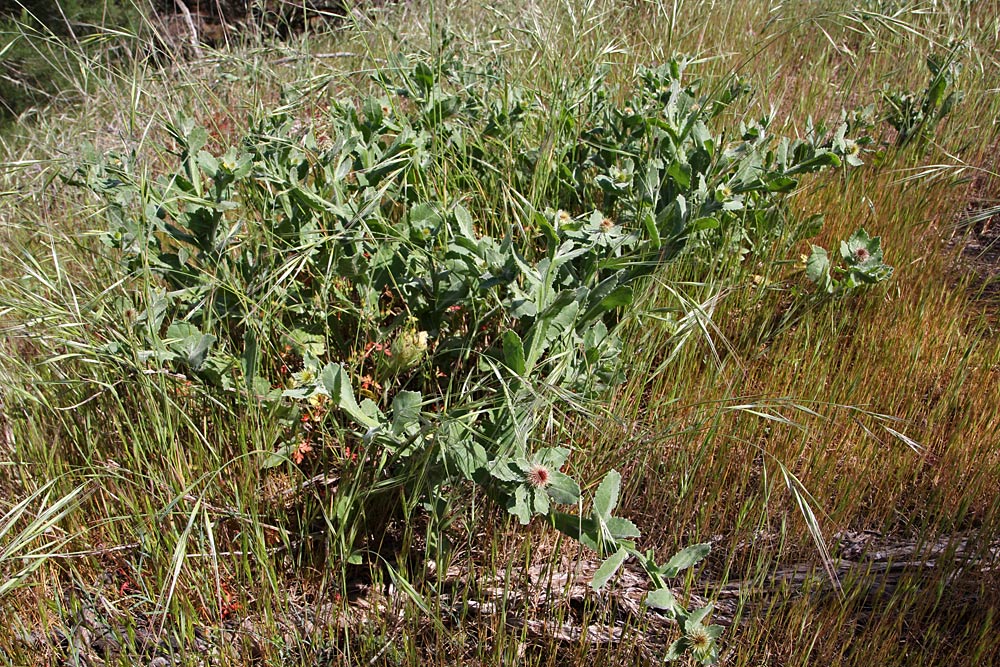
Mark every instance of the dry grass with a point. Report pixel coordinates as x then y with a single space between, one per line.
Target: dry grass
172 476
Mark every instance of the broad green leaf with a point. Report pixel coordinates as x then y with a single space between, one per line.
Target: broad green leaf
562 488
608 569
649 222
518 504
685 558
513 351
305 343
506 470
469 457
188 341
552 458
251 356
540 501
677 649
338 386
696 617
822 159
464 222
406 412
606 496
663 599
585 530
621 528
818 269
277 458
619 297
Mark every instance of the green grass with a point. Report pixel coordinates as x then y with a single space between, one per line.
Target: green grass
176 518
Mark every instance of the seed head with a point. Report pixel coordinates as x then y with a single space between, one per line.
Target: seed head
700 641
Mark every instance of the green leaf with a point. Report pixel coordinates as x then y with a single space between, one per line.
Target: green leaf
304 343
685 558
188 341
406 412
677 649
518 504
818 269
608 569
338 386
704 223
663 598
552 458
821 160
251 356
621 528
649 222
540 501
562 488
781 184
619 297
464 222
469 457
554 321
513 351
606 496
277 458
696 617
582 529
506 470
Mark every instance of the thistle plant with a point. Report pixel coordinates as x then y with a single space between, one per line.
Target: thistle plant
334 284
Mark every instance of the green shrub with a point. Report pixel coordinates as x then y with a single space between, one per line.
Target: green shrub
356 279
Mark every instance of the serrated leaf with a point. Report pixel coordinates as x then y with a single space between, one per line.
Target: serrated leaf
305 343
619 297
469 457
818 269
277 458
518 504
464 222
506 470
686 557
677 649
608 569
188 342
621 528
540 501
513 352
406 412
606 496
552 458
696 617
562 488
586 531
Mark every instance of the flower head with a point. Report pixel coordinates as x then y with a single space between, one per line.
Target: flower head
539 476
700 640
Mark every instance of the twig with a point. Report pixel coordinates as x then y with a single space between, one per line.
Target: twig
186 13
